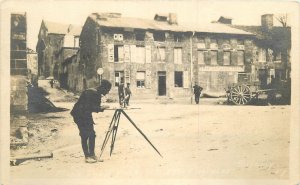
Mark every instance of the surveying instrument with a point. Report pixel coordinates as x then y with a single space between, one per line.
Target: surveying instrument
113 129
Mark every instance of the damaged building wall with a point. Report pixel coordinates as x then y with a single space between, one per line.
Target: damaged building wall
18 63
53 37
89 51
219 59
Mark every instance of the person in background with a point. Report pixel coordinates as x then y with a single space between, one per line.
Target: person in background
197 92
89 102
51 83
121 93
127 94
272 91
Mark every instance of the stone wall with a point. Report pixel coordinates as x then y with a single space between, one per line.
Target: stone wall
99 44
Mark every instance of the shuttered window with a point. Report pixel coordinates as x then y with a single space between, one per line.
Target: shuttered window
140 54
161 54
226 58
201 57
214 57
119 53
110 48
178 55
185 79
240 58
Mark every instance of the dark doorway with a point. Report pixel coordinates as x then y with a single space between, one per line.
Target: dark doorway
84 84
162 83
263 78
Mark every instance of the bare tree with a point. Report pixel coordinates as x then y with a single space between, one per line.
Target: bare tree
282 19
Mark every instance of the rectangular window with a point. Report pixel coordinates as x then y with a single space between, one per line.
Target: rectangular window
140 79
178 79
178 55
140 54
226 58
140 36
201 57
213 44
119 77
240 58
178 37
240 42
159 36
214 57
262 55
118 53
161 54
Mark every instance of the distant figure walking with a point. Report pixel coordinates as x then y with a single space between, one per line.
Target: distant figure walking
197 92
51 83
127 94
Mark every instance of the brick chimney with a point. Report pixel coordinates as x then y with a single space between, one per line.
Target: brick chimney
173 18
267 22
225 20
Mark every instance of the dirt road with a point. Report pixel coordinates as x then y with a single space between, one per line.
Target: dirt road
197 142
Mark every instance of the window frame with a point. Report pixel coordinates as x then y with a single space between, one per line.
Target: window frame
175 50
141 81
120 78
180 84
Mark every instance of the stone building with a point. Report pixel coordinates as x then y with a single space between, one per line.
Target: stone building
271 51
18 63
54 42
160 57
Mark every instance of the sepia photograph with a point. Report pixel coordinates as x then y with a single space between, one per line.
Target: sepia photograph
149 92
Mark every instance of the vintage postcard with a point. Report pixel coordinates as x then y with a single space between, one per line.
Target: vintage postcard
149 92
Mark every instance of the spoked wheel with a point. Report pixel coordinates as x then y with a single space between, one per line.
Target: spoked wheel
240 94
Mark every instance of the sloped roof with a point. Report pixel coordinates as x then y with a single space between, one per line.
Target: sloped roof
280 37
60 28
138 23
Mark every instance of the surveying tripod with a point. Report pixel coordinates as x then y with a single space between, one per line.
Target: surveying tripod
113 129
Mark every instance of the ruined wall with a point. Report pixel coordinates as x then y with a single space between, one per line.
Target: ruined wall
89 53
53 42
215 77
18 64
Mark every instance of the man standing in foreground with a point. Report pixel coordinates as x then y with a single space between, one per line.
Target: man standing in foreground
88 102
197 92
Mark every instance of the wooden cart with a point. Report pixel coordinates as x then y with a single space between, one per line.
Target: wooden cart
243 94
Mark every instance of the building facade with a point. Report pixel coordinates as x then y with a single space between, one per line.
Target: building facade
53 39
271 52
18 63
159 57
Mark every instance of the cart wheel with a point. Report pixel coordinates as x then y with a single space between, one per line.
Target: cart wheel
240 94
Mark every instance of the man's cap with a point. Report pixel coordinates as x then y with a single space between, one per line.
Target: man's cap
105 84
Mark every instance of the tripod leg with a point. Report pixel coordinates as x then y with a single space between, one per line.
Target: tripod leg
110 129
140 131
115 130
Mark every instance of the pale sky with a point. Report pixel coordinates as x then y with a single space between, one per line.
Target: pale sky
245 12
